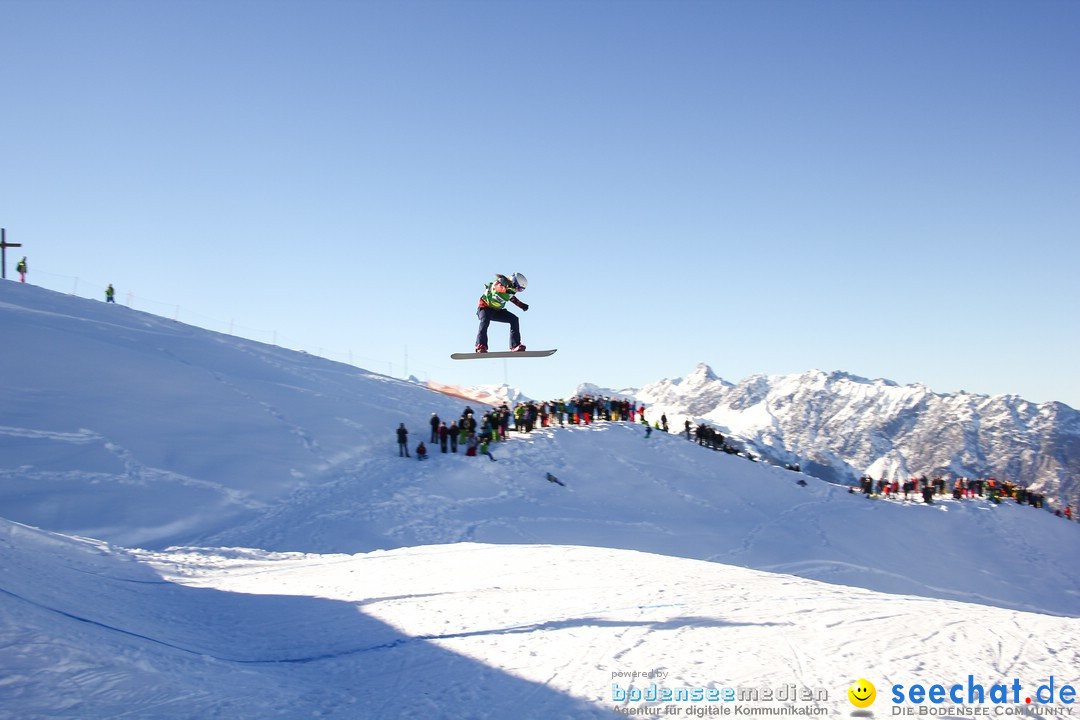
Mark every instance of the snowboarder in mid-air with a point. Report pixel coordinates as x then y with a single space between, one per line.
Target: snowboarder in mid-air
493 307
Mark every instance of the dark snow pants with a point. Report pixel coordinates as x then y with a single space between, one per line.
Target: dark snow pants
487 315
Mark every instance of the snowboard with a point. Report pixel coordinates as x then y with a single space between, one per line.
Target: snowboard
507 354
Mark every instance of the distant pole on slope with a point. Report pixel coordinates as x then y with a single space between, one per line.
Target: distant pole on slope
4 245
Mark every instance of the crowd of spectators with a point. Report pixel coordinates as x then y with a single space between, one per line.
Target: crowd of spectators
494 425
710 437
960 488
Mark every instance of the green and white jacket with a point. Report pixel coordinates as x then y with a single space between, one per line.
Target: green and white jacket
498 293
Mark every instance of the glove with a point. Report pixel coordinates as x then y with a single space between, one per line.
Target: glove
523 306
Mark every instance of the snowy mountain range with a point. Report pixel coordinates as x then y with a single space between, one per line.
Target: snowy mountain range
199 525
838 426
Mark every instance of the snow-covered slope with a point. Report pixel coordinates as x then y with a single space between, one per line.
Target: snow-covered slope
129 427
464 631
839 426
665 495
141 431
377 586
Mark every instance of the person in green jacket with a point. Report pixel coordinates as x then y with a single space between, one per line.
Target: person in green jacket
484 445
110 294
492 306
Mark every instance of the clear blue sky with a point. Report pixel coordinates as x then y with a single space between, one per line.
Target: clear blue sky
886 188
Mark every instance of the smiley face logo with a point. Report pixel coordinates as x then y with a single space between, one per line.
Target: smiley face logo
862 693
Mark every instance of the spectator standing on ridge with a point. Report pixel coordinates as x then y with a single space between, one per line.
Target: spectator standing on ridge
110 294
928 493
453 433
403 441
444 435
504 421
21 268
434 427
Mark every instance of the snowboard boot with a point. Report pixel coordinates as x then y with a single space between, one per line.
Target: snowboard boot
481 348
518 348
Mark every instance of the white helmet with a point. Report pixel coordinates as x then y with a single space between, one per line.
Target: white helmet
520 281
